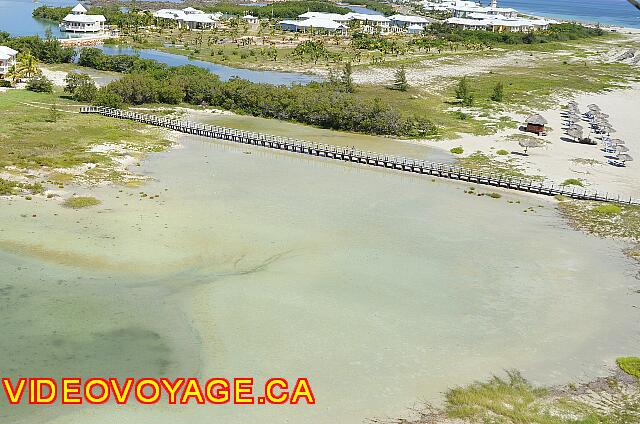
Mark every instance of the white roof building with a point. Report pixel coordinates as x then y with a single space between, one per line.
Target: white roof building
403 22
418 20
189 17
7 59
191 10
369 23
79 21
250 19
312 23
473 16
415 29
499 23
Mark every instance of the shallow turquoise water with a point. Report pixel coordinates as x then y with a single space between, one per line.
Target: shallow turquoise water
610 12
382 288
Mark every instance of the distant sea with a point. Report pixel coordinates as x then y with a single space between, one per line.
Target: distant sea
608 12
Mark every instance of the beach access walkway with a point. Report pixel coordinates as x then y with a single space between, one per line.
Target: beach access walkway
344 154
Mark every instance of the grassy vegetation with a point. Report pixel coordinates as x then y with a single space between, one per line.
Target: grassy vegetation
484 163
8 187
80 202
436 106
457 150
502 152
605 220
572 181
514 400
30 141
608 210
534 86
499 400
630 365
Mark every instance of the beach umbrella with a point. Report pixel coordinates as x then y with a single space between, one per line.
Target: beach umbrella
528 143
575 133
622 149
625 157
574 118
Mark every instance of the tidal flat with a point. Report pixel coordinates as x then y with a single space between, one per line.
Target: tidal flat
383 289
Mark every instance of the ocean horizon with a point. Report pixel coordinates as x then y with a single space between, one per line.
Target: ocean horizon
606 12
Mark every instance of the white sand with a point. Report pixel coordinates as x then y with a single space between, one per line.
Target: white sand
556 160
445 68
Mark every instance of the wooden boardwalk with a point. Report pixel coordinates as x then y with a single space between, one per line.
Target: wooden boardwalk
363 157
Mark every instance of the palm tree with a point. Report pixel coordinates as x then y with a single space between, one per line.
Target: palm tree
28 64
15 74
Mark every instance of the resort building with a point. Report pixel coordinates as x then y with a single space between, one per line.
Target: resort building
372 24
415 29
189 18
408 23
446 5
7 59
469 15
251 20
499 23
79 21
314 24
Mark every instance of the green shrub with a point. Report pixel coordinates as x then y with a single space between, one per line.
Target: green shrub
494 195
457 150
502 152
498 92
8 187
464 93
40 84
461 115
572 181
608 209
108 98
81 202
630 365
81 87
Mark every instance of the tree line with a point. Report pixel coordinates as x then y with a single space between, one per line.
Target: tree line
47 50
283 10
327 105
556 32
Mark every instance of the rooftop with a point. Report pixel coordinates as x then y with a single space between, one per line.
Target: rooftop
79 8
84 18
536 119
409 18
4 50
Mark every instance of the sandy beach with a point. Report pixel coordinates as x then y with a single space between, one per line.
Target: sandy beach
558 159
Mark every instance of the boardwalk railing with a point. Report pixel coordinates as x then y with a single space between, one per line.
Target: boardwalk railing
359 156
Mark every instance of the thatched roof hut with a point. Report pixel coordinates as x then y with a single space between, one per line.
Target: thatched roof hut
535 124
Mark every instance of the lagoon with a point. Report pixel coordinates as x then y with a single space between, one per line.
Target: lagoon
16 19
382 288
225 72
